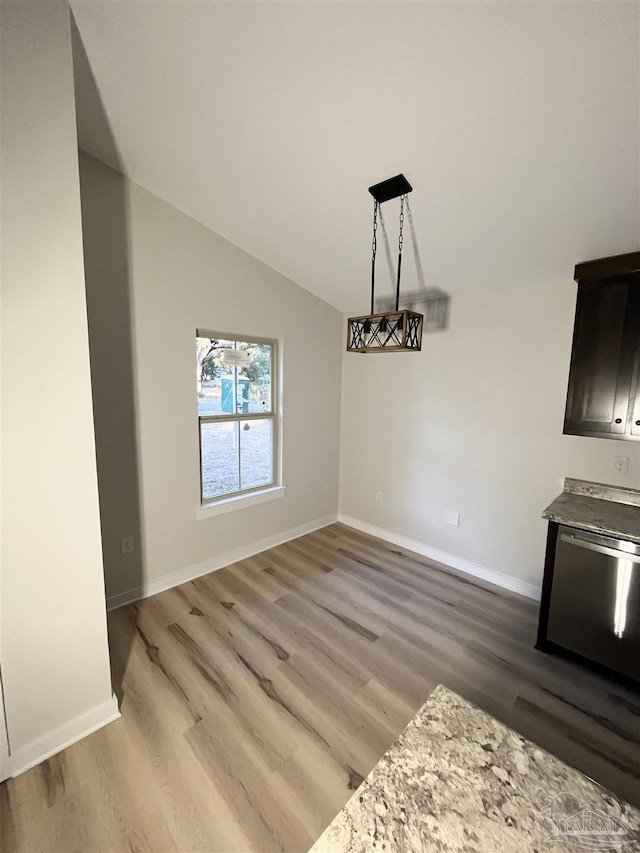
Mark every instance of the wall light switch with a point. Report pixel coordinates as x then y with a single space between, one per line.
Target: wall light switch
126 544
452 517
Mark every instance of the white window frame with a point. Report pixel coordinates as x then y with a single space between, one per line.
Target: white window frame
259 494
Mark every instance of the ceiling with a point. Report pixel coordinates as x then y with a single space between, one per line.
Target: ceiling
517 124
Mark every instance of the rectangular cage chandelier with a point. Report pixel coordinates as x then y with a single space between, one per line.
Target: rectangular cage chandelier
396 330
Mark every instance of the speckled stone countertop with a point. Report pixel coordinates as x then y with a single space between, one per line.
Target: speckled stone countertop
458 780
611 510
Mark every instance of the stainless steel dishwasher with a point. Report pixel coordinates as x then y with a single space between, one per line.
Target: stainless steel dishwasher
594 602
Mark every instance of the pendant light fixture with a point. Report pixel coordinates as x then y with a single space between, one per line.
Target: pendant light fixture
391 331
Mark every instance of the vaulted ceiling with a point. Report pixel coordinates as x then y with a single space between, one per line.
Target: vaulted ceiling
517 124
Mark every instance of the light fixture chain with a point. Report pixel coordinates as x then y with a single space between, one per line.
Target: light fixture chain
402 198
374 249
374 243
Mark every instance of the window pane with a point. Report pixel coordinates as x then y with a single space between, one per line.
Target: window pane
215 396
233 377
219 459
254 379
256 453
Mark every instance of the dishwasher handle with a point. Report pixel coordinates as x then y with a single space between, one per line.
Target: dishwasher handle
571 539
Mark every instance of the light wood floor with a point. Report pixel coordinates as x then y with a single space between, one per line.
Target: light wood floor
255 699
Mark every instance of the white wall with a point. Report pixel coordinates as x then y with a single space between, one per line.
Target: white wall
53 637
521 141
473 423
183 276
105 226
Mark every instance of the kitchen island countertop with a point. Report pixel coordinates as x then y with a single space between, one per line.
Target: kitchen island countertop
459 781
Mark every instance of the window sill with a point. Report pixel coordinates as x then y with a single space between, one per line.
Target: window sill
239 502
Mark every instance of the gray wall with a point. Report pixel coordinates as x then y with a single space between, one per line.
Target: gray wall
153 276
473 423
53 637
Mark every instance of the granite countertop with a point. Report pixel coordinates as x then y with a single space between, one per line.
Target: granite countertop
458 780
610 510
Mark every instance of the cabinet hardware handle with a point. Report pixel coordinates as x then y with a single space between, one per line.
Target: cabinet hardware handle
618 420
637 423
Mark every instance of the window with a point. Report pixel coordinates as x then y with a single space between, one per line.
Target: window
237 415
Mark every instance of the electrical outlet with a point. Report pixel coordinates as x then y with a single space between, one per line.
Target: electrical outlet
379 497
452 517
126 544
621 465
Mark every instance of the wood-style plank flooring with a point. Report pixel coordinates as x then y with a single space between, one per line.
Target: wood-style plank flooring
255 699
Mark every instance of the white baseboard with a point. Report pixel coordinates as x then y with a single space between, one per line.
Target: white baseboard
212 565
26 757
460 563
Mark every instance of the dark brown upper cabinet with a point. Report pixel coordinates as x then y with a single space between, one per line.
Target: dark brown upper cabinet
603 399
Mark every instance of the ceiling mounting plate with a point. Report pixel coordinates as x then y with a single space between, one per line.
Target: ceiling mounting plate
391 188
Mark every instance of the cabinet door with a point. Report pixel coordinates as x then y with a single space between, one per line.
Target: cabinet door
635 418
603 358
635 413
